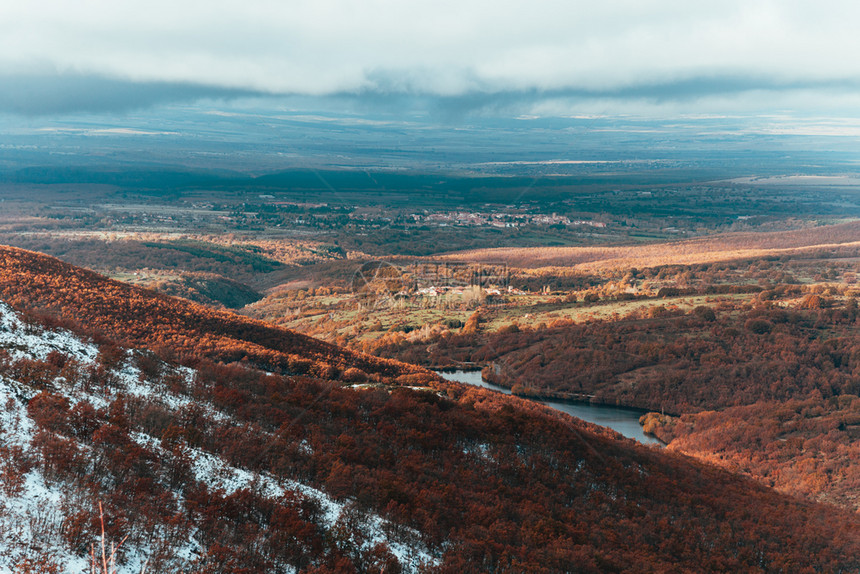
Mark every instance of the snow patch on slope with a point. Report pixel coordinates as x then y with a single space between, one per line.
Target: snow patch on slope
31 515
30 518
208 468
23 340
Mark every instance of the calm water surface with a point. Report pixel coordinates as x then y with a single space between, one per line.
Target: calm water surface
623 421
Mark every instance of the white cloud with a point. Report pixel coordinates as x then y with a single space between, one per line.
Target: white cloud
440 48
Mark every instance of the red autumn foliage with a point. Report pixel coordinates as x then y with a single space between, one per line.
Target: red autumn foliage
491 482
676 362
37 284
486 482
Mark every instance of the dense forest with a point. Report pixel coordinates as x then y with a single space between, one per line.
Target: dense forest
674 361
766 387
806 447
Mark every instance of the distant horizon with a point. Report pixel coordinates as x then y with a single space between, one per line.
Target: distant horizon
257 137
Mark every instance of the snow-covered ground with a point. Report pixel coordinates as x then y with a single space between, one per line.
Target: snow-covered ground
23 340
31 514
31 517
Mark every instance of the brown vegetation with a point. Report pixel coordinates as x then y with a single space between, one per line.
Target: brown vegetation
804 447
670 360
35 283
713 248
489 483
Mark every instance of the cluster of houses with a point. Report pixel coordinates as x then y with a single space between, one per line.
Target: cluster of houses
438 291
500 219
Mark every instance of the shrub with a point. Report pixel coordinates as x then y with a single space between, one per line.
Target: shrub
758 326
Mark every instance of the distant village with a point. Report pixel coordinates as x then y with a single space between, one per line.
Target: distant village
465 218
462 290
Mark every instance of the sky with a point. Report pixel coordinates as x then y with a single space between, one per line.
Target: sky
539 57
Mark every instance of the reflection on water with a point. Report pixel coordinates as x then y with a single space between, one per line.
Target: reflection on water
623 421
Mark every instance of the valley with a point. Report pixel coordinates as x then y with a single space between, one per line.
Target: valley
622 421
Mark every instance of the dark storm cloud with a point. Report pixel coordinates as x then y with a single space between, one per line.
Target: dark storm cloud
48 94
69 93
393 95
709 86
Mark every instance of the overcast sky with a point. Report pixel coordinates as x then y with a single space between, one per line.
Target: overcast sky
57 55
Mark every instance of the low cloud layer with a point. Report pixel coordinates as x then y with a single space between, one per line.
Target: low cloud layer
50 94
57 57
27 94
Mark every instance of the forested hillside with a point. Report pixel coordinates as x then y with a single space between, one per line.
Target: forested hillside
218 466
673 361
767 388
41 285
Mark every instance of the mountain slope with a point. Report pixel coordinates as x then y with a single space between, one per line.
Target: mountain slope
226 468
33 282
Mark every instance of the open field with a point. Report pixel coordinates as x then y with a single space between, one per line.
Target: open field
724 247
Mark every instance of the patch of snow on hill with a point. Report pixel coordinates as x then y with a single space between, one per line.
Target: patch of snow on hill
31 510
21 339
407 546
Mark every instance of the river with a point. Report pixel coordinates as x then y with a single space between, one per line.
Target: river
621 420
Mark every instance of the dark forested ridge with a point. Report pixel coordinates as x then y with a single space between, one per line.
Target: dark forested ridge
477 481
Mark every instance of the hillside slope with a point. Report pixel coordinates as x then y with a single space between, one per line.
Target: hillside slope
36 283
768 388
227 468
